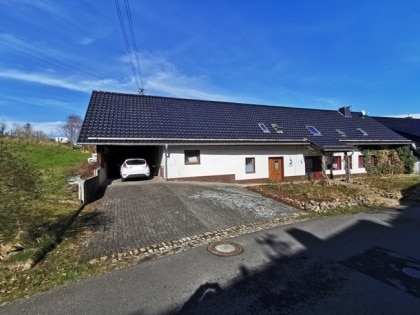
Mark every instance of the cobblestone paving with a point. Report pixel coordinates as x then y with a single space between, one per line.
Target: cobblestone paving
137 214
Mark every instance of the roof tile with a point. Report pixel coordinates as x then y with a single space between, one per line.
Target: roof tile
117 115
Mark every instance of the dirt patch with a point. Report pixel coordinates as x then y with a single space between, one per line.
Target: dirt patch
319 197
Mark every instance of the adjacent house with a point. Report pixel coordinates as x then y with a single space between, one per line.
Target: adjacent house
409 128
61 139
187 139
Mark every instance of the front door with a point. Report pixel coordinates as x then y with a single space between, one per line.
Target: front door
313 166
275 167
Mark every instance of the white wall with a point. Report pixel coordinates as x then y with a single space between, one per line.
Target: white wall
222 160
355 164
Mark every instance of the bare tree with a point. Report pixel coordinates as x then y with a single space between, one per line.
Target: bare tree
72 128
17 130
27 131
3 127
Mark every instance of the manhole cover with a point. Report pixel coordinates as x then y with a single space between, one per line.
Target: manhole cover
224 248
412 272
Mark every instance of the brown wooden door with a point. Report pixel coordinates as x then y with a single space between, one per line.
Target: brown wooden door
275 167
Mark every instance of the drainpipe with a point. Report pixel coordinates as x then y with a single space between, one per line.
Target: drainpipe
166 162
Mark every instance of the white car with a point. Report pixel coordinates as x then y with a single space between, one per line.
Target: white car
134 168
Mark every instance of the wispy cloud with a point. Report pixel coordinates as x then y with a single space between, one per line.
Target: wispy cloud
34 50
70 83
59 15
163 77
405 116
49 103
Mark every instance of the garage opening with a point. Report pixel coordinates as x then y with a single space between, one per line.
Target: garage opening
114 155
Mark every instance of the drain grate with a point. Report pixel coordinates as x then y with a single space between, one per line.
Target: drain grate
225 248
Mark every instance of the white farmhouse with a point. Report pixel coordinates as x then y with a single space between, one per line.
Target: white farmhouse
199 140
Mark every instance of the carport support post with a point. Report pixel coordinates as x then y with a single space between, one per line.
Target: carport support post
166 161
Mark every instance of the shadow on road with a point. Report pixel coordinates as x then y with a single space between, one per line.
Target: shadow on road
302 283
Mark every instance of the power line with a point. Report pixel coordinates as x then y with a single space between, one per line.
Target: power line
133 41
132 53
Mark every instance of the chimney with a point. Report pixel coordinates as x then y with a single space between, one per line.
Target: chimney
345 111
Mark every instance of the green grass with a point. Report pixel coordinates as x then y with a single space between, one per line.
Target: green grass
34 210
394 183
61 266
54 162
32 178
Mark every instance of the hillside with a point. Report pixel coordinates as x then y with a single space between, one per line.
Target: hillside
33 194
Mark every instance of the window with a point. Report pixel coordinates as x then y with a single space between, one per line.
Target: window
249 165
361 161
337 163
277 128
390 160
313 130
192 156
362 131
373 160
263 127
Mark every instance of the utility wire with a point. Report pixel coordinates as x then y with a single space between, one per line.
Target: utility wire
133 41
132 53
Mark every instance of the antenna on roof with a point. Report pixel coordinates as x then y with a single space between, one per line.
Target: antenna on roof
141 91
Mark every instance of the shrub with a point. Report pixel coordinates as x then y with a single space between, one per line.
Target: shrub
388 161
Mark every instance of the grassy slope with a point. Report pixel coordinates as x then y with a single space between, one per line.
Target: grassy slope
35 204
33 176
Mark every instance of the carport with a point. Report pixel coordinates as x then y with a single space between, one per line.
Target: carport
112 156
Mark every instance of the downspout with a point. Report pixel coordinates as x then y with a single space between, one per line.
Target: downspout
166 162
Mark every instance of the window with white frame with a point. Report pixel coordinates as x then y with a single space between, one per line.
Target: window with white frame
192 157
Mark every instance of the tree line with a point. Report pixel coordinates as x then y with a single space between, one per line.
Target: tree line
70 129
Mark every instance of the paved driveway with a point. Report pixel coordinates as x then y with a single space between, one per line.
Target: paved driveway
136 214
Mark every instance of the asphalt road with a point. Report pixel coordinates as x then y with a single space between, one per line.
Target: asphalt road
366 263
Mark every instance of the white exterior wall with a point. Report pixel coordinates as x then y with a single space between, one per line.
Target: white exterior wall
355 164
225 160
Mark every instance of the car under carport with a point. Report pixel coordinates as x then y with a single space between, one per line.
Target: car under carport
112 156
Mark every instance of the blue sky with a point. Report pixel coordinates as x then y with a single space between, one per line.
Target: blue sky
301 53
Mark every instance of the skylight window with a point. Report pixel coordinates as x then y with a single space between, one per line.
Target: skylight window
363 132
341 132
313 130
263 127
277 128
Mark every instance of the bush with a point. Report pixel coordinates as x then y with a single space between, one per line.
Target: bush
401 158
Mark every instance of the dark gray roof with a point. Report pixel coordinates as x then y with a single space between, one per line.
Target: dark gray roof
407 127
116 118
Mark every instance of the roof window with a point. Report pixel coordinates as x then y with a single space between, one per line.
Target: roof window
363 132
313 130
341 132
277 128
263 127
